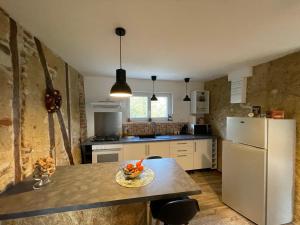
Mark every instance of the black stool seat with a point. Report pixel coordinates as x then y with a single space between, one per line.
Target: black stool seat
156 205
154 157
174 211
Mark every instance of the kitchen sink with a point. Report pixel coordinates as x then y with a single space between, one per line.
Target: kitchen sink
147 136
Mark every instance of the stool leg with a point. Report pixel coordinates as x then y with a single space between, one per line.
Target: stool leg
149 215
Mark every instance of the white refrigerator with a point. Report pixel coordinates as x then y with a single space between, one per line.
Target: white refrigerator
258 168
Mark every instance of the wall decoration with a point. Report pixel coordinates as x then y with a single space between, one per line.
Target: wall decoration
53 101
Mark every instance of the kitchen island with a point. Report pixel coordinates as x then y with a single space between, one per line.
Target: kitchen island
83 194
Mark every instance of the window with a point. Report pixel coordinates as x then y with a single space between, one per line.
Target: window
142 108
139 107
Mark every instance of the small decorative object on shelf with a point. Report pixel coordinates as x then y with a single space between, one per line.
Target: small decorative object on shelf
43 169
256 110
277 114
53 100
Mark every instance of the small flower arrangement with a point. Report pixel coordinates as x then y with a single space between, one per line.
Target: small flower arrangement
44 166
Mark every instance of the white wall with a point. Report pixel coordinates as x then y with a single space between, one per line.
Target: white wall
98 88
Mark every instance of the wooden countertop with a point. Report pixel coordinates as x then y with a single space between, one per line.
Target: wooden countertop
93 185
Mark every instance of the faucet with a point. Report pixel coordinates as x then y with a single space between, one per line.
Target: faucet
154 127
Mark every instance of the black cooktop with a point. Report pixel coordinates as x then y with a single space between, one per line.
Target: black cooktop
105 138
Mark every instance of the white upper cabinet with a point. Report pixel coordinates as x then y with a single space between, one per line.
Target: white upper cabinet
200 102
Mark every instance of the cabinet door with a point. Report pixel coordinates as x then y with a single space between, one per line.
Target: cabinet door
203 154
185 160
159 149
134 151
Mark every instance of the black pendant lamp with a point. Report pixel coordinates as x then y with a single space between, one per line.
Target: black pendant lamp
153 98
120 88
186 98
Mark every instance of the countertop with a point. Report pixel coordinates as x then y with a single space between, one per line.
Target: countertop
131 140
93 185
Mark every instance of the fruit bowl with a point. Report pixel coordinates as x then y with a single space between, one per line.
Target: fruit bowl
132 171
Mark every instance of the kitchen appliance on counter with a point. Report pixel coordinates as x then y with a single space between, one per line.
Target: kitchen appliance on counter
201 129
105 138
184 130
258 168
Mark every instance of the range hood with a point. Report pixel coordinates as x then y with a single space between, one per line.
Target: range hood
106 104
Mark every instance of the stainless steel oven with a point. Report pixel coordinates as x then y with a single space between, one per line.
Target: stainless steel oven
107 153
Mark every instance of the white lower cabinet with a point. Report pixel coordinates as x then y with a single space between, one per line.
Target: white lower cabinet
161 149
184 160
183 151
144 150
203 154
134 151
189 155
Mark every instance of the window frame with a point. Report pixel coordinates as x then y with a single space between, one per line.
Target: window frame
149 95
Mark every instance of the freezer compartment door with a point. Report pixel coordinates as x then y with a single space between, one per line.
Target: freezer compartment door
243 180
248 131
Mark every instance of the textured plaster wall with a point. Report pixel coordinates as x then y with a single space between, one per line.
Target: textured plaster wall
24 121
130 214
274 85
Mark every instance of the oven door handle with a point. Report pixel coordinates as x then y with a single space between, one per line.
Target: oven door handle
107 150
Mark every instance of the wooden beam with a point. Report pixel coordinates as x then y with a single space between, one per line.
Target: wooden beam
68 102
13 44
49 86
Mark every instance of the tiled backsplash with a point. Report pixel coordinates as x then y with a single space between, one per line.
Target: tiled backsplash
144 128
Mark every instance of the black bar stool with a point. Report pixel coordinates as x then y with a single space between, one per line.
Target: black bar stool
154 157
175 211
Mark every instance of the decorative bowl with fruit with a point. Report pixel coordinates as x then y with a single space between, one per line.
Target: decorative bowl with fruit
132 171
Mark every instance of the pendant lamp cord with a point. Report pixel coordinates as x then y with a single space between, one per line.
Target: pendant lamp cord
186 88
153 87
120 53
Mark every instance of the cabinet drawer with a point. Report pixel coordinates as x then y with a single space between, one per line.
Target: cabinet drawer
184 160
182 150
182 147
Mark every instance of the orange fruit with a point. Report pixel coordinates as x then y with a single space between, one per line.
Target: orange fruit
129 166
140 168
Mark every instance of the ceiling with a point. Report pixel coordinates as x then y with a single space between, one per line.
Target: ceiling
173 39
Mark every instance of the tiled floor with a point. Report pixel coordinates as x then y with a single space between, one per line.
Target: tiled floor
212 210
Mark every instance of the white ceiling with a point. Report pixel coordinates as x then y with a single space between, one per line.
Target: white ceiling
173 39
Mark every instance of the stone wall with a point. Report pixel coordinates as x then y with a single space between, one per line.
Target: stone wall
274 85
146 128
27 131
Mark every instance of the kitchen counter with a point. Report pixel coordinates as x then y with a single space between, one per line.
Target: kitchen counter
91 186
131 140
